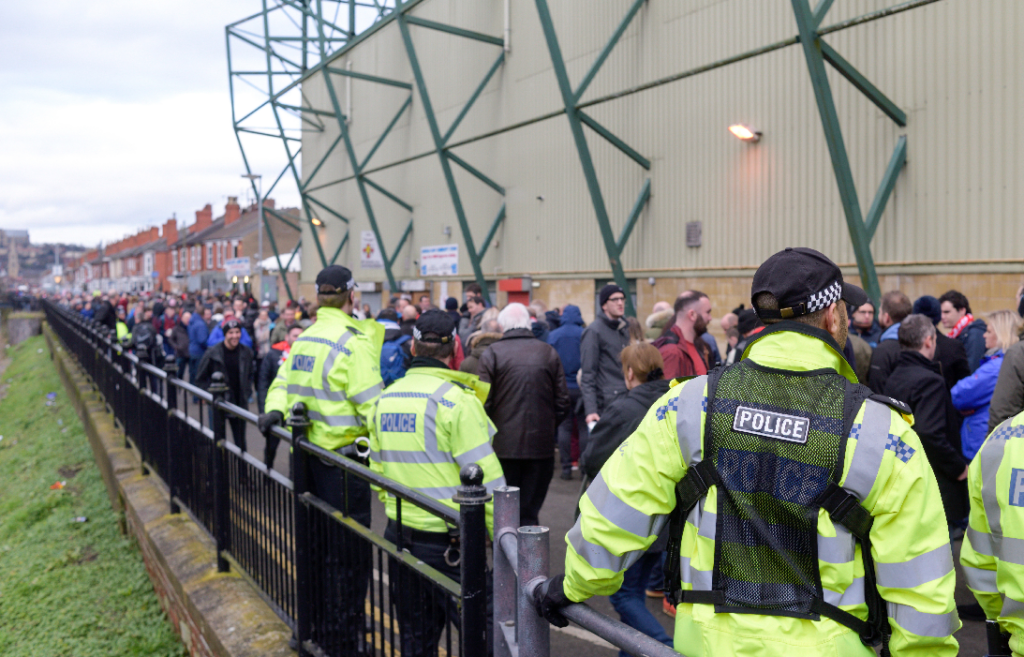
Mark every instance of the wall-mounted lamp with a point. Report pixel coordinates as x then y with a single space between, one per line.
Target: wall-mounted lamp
317 222
246 280
745 132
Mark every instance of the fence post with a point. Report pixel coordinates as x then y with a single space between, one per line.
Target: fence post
299 423
471 498
172 405
534 632
221 483
506 522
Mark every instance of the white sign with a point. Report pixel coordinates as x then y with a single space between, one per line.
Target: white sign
369 251
439 260
236 267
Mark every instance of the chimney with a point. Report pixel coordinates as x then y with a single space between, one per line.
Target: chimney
204 218
268 203
171 232
231 210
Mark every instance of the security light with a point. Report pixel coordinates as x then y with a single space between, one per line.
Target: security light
317 222
745 132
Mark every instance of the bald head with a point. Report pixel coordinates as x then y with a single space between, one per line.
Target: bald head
661 306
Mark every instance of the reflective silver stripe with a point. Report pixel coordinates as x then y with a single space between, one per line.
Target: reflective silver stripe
597 556
708 524
1010 550
923 568
430 423
853 595
617 512
335 420
332 356
991 455
700 579
920 623
689 411
400 456
980 579
478 453
368 394
981 542
1012 608
838 548
316 393
867 456
684 570
444 493
491 485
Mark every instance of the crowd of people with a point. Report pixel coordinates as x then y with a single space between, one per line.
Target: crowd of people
562 394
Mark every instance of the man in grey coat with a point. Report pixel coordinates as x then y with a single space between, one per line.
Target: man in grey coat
602 342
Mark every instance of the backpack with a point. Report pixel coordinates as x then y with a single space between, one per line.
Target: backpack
393 360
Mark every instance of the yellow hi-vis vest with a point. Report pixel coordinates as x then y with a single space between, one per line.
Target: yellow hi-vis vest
427 425
334 368
627 506
993 550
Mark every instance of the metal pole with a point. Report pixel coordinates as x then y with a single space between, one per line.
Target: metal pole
471 498
172 405
506 522
299 423
221 483
534 631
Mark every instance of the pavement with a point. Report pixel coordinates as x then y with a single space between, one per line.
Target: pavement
558 515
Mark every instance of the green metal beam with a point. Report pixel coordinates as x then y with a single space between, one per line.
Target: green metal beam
811 44
308 110
295 252
388 194
268 50
472 99
847 70
458 31
634 216
333 212
401 243
820 11
486 244
475 172
599 62
614 141
370 78
387 131
899 157
341 246
280 217
587 163
266 134
428 111
319 164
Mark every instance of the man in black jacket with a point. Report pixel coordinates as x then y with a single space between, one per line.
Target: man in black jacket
918 382
234 360
602 342
268 372
527 401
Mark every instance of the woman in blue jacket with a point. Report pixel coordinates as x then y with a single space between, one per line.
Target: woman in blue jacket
972 395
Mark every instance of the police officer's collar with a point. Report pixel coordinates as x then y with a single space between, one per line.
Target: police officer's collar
421 361
823 336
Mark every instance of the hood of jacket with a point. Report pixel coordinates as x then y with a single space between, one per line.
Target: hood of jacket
649 392
480 341
659 319
571 315
891 333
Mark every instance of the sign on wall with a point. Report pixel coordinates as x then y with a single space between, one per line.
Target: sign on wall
369 251
236 267
439 260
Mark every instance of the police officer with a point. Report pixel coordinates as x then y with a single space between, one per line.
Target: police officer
334 369
428 425
993 551
806 519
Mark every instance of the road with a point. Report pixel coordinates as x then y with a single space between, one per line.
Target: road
557 514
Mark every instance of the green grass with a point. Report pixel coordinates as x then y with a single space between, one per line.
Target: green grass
67 589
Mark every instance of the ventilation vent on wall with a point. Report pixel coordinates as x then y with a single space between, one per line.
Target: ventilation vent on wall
693 233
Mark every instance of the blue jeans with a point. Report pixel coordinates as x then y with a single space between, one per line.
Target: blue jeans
630 601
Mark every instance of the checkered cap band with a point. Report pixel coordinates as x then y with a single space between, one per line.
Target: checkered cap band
416 333
825 298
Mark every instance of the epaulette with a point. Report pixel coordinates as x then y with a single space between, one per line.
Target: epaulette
463 386
900 407
678 380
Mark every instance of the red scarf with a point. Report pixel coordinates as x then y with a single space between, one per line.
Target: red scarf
961 325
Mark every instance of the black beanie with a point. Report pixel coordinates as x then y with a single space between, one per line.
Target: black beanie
607 291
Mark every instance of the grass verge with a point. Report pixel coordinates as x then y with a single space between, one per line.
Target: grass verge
67 588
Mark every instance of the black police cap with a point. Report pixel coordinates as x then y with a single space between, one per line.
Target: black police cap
434 326
335 276
803 281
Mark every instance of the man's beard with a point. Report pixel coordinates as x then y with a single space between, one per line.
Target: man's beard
700 327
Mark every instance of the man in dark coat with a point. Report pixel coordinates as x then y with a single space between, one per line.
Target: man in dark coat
180 343
600 347
234 360
962 326
527 401
917 381
566 340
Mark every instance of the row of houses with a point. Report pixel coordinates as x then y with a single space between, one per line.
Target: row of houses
176 258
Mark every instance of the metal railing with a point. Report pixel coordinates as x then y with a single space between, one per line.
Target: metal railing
305 557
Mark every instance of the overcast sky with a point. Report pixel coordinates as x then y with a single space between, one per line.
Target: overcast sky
115 114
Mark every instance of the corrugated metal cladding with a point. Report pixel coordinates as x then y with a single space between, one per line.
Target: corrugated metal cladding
954 66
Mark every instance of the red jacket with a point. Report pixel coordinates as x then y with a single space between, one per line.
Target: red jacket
682 358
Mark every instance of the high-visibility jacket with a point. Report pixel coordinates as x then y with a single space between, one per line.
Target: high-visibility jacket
993 551
334 368
428 425
122 330
885 467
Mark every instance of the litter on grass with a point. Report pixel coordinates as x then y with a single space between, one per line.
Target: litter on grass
51 395
80 519
58 485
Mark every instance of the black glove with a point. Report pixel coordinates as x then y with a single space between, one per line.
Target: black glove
549 598
268 420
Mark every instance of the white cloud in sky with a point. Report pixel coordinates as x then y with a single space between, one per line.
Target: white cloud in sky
116 114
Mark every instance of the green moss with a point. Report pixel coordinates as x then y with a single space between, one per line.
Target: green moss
66 588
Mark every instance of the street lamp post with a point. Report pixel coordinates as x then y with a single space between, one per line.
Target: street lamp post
259 235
